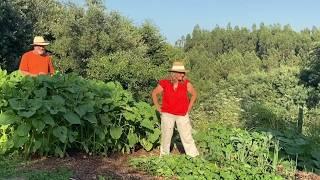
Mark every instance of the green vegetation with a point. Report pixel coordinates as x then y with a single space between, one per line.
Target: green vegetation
10 168
50 115
225 154
264 78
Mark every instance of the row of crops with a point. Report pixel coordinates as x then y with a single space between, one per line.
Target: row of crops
54 115
225 154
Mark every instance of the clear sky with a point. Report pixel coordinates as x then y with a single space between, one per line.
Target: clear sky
175 18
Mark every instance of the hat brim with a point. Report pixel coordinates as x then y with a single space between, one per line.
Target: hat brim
181 71
40 44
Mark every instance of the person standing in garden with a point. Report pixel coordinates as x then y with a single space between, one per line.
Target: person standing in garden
37 61
175 109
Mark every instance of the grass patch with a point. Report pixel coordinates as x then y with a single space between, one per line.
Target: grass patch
10 168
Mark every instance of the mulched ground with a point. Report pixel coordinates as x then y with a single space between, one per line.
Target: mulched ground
116 166
306 176
86 167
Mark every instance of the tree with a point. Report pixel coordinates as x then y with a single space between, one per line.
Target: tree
133 71
156 46
16 33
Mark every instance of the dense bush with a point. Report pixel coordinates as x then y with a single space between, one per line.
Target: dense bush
259 99
134 72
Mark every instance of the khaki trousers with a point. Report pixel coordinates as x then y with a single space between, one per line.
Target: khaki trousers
185 131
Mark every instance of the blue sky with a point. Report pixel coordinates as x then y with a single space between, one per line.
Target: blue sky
175 18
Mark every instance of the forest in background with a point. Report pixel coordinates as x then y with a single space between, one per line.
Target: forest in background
265 77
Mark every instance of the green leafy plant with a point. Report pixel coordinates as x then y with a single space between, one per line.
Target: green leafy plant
226 153
51 115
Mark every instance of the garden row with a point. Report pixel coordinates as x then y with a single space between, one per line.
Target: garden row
54 115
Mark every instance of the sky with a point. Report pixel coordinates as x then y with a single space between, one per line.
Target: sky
175 18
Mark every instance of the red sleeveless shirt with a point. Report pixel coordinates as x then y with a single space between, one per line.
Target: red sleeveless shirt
174 101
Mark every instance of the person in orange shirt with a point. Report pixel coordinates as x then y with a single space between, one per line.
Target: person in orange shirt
37 61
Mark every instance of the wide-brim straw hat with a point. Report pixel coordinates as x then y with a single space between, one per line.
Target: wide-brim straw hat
178 67
39 40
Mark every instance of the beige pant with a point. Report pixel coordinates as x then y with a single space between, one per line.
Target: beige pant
184 128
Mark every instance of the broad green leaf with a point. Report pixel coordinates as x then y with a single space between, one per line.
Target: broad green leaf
34 104
41 93
16 104
48 120
72 136
116 132
58 151
144 109
83 109
8 118
154 136
60 132
72 118
23 129
26 114
147 124
91 118
19 141
3 102
3 143
132 139
71 89
129 116
146 144
5 146
36 146
58 99
105 119
44 79
108 108
38 124
100 133
52 110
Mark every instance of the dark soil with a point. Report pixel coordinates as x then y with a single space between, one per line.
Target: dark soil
116 166
306 176
86 167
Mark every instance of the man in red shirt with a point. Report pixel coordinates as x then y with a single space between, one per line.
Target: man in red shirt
175 108
36 61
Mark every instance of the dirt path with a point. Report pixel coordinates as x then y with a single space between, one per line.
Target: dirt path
86 167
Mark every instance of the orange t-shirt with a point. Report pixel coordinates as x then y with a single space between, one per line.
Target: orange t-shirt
36 64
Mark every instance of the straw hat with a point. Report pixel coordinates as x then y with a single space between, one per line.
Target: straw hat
39 40
178 67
